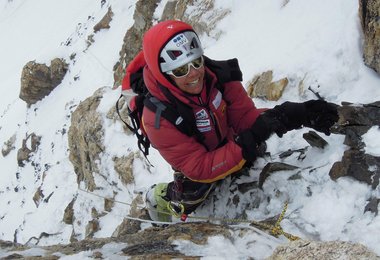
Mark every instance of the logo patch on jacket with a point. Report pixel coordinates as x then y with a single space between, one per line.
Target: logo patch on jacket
202 123
204 129
218 99
202 114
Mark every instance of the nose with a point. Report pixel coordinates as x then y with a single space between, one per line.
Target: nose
193 72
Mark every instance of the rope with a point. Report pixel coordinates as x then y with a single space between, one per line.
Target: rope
274 230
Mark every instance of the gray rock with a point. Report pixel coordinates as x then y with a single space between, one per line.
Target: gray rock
132 42
124 167
314 139
85 139
372 206
38 80
8 146
273 167
24 153
68 216
369 11
104 22
310 250
358 165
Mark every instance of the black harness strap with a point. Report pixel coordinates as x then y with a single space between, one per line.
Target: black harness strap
159 109
142 141
186 113
121 118
167 111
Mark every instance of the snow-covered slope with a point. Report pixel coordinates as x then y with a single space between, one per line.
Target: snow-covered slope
319 42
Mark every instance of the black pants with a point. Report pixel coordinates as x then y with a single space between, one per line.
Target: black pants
187 192
191 194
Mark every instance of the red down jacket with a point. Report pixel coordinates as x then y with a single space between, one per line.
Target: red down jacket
228 113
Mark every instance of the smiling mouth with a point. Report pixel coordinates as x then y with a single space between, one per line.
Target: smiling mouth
193 83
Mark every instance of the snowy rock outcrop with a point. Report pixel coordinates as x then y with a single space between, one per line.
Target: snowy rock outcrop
354 121
29 145
38 80
85 139
170 242
8 145
303 250
133 38
370 21
88 149
262 86
202 15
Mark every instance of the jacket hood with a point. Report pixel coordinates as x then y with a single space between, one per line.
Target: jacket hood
155 40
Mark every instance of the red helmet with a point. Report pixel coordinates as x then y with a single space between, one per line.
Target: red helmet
169 45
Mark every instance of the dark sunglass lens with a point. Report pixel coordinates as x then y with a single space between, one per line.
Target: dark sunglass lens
197 63
181 71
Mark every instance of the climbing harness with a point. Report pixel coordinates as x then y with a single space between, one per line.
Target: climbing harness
177 209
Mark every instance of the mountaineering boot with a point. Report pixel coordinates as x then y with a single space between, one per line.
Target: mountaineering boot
157 203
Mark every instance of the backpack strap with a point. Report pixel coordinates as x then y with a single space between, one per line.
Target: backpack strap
186 113
167 111
179 115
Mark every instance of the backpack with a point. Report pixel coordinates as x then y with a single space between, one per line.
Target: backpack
179 114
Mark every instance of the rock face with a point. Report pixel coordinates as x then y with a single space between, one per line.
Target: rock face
38 80
261 86
304 250
86 133
124 167
8 146
203 17
354 121
105 22
157 243
370 20
29 145
132 42
85 139
152 243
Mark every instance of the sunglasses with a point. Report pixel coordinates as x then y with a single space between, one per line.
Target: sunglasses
184 70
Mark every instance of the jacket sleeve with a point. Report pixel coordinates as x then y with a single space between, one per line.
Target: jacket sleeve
241 110
187 155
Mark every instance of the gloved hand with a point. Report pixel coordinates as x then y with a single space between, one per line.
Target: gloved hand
248 144
321 115
252 140
317 114
266 124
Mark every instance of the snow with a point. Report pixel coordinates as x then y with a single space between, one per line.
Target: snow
319 42
372 147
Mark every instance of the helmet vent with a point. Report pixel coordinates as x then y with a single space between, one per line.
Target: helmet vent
194 44
174 54
179 50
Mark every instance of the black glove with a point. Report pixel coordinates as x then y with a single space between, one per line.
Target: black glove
248 144
252 140
321 115
317 114
266 124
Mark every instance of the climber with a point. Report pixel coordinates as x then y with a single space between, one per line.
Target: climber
225 129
